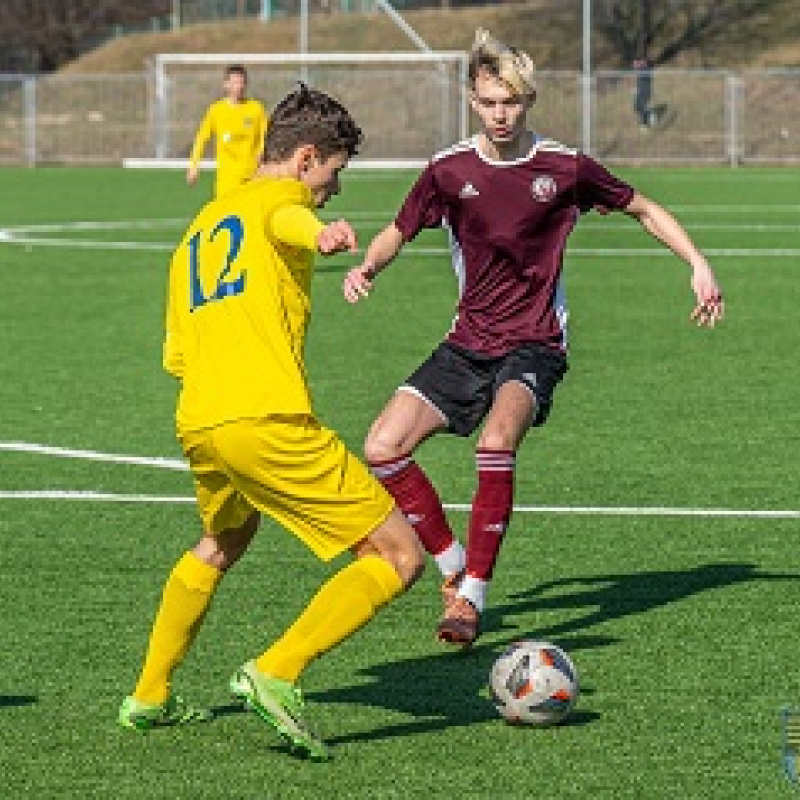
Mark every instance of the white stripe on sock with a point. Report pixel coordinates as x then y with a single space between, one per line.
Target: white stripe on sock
452 559
474 590
387 470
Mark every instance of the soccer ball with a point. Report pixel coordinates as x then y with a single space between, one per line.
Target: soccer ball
534 683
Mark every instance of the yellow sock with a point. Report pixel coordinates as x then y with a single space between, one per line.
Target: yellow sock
343 604
185 601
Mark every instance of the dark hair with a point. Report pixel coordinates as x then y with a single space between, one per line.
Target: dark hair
235 69
308 116
480 62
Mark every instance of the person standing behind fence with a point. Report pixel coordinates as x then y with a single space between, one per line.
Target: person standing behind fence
644 92
237 123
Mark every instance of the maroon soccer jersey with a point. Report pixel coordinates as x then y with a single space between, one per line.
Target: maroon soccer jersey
508 223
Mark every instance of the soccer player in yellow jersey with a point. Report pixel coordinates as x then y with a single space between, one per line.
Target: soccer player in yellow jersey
238 306
237 124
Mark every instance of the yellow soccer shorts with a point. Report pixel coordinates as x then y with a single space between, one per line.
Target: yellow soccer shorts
294 470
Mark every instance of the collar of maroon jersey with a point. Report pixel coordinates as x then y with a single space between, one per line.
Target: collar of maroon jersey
497 162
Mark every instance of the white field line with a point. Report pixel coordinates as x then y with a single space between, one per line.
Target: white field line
422 252
604 511
754 227
99 225
90 496
638 252
93 455
730 208
649 511
593 222
30 235
180 465
83 244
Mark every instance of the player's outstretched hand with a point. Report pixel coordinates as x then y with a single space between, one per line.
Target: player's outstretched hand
336 237
710 307
191 175
357 283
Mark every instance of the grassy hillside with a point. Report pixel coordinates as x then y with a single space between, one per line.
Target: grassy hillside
550 30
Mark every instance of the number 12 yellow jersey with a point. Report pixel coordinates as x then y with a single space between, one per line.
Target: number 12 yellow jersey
238 305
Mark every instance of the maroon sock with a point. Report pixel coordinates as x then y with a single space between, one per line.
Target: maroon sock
417 499
491 510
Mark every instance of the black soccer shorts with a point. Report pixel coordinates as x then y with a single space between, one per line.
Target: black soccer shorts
462 384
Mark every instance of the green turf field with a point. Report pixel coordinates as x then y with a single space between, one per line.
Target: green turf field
683 628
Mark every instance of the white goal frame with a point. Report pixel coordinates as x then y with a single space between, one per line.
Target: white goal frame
449 63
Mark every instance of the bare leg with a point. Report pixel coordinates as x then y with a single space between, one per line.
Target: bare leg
406 421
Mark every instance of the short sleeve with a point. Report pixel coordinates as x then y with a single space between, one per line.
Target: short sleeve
296 226
596 186
423 206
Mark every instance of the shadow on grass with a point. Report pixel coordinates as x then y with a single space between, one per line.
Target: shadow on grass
445 690
620 595
15 701
442 691
228 710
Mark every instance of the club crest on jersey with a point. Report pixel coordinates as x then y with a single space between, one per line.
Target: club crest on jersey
544 188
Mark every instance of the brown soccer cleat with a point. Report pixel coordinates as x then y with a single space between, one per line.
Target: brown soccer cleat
459 624
450 587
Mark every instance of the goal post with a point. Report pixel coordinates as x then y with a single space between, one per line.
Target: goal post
409 104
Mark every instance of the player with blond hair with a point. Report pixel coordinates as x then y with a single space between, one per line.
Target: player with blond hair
236 123
508 199
237 311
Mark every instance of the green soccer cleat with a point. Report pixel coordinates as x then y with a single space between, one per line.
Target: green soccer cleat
143 716
280 703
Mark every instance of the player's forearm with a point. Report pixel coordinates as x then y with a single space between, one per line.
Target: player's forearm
200 141
384 248
660 224
198 148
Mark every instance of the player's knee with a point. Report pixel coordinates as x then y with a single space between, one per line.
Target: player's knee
396 542
408 558
380 445
500 437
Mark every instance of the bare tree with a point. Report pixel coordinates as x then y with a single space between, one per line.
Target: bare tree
658 30
43 34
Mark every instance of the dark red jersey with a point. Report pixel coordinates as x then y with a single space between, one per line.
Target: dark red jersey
508 223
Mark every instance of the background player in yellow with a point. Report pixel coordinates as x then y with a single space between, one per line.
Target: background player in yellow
237 124
238 306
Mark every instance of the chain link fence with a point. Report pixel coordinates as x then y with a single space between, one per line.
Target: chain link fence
408 108
75 119
711 117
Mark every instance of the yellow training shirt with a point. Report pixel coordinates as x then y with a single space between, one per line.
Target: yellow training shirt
238 305
238 131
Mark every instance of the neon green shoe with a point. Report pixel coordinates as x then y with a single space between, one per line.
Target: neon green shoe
144 716
280 703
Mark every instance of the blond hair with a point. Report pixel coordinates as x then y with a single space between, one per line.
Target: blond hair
512 66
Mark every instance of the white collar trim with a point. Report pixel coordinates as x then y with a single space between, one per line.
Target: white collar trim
496 162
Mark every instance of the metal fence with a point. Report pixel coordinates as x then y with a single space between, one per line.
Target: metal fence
713 117
75 119
409 105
